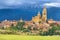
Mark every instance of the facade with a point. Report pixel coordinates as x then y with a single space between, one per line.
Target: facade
8 24
37 18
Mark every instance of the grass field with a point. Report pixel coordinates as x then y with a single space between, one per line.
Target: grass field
20 37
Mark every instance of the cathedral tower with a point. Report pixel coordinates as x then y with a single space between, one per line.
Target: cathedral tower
44 15
37 18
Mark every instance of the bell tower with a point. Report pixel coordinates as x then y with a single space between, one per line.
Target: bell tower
44 15
37 18
39 14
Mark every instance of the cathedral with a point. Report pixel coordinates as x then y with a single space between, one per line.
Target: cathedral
40 18
39 21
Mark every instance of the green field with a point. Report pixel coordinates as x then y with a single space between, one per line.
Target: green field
20 37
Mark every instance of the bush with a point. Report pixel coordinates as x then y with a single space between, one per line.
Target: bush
7 32
19 25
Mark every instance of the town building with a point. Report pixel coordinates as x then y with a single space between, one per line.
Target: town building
39 21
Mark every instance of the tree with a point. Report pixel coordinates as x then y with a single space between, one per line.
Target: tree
19 25
43 33
52 31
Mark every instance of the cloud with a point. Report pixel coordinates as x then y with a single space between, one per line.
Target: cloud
52 4
11 2
15 3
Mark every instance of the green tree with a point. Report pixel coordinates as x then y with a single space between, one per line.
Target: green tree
19 25
52 31
43 33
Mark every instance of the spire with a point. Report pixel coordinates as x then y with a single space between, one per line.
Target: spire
38 13
6 20
44 10
21 20
44 15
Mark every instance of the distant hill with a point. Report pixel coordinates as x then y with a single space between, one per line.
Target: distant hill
27 13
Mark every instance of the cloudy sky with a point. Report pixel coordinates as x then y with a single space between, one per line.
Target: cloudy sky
14 3
28 8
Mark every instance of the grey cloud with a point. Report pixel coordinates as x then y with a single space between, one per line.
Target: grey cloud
11 3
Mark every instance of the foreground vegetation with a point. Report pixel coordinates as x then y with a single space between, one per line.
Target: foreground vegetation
19 29
25 37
